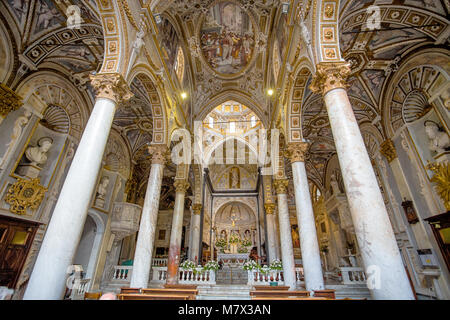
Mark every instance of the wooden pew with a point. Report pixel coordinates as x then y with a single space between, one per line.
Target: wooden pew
289 298
130 290
92 295
278 293
267 288
180 286
133 296
329 293
191 292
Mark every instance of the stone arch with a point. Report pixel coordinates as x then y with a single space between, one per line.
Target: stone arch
117 155
227 203
46 88
326 31
236 96
427 71
159 111
7 54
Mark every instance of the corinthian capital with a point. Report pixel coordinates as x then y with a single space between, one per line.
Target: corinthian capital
9 100
280 185
330 75
296 151
158 153
197 207
181 185
111 86
387 149
270 207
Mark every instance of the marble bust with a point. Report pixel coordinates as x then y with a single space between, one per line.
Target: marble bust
101 192
38 155
439 139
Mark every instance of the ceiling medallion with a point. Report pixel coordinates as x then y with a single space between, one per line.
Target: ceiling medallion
227 38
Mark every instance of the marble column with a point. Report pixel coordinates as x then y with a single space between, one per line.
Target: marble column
181 185
48 279
287 249
271 249
195 242
309 245
146 236
9 101
387 278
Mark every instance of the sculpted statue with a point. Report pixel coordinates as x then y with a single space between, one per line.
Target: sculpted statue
19 124
334 184
439 139
38 155
101 192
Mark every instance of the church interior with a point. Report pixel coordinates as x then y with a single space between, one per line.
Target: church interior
224 149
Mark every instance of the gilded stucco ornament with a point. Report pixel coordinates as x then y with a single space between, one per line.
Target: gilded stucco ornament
9 100
329 76
159 153
197 208
270 207
442 179
111 86
24 194
181 185
387 149
296 151
280 185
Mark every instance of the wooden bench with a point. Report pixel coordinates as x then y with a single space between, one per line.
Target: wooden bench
278 293
130 290
289 298
190 292
133 296
329 293
92 295
180 286
267 288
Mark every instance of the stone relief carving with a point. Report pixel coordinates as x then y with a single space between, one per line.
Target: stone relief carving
439 139
101 192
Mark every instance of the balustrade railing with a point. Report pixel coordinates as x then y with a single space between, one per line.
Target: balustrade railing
159 262
256 277
353 275
199 276
79 287
122 273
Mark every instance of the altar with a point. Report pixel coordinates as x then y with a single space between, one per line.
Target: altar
232 259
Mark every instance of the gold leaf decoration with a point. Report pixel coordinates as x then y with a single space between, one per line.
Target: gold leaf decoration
24 194
442 179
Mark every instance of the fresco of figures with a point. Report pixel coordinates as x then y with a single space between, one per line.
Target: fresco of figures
227 38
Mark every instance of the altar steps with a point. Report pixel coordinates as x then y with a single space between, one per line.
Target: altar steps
223 292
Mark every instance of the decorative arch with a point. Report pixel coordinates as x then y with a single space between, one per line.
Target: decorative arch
426 72
117 156
46 88
7 54
227 203
326 31
159 112
209 151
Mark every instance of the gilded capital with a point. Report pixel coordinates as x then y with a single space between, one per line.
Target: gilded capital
330 75
387 149
197 207
111 86
270 207
296 151
181 185
159 153
9 100
280 185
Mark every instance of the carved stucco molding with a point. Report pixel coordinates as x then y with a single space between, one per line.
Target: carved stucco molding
329 76
387 149
296 151
24 194
280 185
9 100
197 208
270 207
111 86
181 185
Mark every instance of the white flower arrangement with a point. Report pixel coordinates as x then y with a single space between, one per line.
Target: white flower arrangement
276 265
264 269
211 265
187 265
251 265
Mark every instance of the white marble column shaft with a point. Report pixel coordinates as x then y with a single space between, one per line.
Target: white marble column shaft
195 242
271 237
48 279
287 249
146 236
377 243
309 245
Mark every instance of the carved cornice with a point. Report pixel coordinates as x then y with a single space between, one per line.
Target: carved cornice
111 86
25 194
329 76
159 153
197 208
9 100
181 185
270 207
387 149
280 185
296 151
